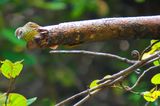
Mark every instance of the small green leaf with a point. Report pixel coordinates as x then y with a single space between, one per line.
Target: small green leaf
153 41
145 55
156 79
14 99
156 63
2 98
156 45
31 100
17 68
148 96
11 70
107 76
154 48
6 68
94 84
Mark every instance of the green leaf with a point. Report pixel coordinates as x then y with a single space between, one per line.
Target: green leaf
153 41
31 100
11 70
6 68
156 63
2 98
156 46
151 96
94 84
156 79
148 96
145 55
15 99
107 76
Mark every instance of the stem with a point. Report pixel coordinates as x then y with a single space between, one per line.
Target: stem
93 53
11 82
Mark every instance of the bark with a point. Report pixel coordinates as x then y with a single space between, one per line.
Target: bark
72 33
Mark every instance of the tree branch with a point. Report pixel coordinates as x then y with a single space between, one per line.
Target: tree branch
93 53
114 79
139 78
73 33
86 98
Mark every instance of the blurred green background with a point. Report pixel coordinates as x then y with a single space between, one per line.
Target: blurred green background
54 77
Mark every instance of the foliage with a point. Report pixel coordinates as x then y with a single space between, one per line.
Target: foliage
41 70
154 93
94 84
11 71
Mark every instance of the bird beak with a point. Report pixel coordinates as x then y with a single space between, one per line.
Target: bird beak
18 37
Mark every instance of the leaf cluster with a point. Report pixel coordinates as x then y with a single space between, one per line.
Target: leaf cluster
11 71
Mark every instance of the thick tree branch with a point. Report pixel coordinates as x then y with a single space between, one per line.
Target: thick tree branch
72 33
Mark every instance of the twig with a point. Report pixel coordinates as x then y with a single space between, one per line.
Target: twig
71 98
86 98
115 78
93 53
135 66
93 92
139 78
82 101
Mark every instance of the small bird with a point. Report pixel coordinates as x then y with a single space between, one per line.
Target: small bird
28 33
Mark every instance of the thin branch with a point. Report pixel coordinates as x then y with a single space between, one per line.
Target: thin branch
139 78
93 53
115 78
92 92
71 98
126 88
82 101
86 98
135 66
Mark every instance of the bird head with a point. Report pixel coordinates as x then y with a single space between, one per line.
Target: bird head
27 32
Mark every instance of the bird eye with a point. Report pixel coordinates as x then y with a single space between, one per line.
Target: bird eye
20 32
